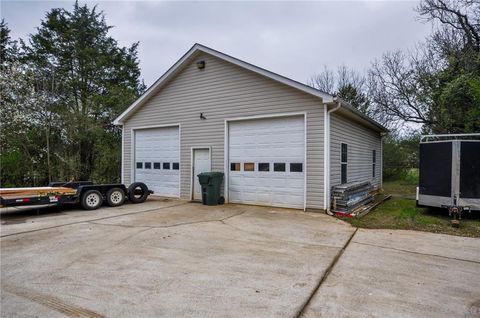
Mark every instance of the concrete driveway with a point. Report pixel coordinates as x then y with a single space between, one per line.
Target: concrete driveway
171 258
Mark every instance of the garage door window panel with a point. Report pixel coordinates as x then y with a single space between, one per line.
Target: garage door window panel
279 167
264 166
235 166
156 165
148 165
139 165
249 166
175 166
166 166
296 167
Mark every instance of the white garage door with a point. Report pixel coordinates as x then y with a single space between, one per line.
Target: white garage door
157 160
267 161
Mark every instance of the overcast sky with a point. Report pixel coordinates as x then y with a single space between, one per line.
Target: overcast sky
295 39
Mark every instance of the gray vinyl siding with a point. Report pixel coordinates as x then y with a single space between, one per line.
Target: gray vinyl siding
361 141
225 91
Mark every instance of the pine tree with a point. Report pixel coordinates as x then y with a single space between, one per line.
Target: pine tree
93 80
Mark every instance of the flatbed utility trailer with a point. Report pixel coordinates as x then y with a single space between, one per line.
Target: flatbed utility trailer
90 196
450 173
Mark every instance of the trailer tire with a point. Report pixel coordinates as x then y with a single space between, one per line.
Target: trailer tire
138 192
91 200
115 197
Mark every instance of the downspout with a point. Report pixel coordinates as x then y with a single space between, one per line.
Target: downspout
382 137
327 155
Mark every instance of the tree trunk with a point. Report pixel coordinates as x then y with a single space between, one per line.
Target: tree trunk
49 170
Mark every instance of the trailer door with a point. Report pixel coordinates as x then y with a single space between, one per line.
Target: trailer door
470 174
436 169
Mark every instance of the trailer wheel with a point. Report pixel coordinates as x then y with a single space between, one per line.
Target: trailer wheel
91 200
137 192
115 197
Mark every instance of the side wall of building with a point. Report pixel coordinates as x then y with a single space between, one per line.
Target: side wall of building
225 91
361 142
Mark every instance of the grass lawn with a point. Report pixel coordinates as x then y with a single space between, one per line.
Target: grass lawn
400 212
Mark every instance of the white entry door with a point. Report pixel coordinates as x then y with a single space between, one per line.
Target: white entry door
157 160
201 163
267 162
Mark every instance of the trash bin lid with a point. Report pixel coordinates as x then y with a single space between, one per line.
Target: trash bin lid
216 174
213 174
203 178
210 177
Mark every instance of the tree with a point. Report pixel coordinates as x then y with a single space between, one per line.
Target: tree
95 81
459 24
401 87
436 84
20 138
60 92
346 84
400 155
8 47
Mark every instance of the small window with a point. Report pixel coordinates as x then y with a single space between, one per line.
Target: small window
234 166
343 163
248 166
156 165
148 165
374 161
344 153
344 173
166 166
264 166
175 166
278 166
139 165
296 167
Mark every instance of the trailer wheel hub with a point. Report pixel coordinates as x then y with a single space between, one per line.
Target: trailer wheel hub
92 199
116 197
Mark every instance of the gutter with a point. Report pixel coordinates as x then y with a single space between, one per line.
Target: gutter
326 161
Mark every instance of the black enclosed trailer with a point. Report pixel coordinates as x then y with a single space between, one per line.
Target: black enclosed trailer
450 172
90 196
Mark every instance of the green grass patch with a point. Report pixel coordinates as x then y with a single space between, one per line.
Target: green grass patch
401 212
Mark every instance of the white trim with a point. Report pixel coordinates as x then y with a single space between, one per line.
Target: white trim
132 155
267 116
326 172
225 161
425 138
200 48
278 115
305 162
132 143
328 152
192 161
122 170
156 126
179 160
381 162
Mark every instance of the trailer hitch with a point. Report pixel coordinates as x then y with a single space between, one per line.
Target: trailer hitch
455 212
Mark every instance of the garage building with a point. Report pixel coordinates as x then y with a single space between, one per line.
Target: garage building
279 142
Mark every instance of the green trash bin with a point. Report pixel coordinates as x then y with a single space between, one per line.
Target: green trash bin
211 183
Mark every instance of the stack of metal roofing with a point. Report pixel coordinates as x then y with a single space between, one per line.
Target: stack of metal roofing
349 196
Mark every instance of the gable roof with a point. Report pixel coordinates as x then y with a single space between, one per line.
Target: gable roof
198 48
201 48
